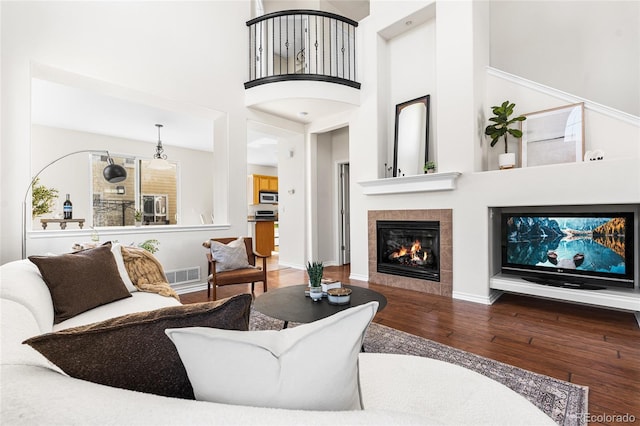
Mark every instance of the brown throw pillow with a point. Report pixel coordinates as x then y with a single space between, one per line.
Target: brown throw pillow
81 281
133 351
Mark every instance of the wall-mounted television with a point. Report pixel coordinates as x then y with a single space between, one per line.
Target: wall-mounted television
572 250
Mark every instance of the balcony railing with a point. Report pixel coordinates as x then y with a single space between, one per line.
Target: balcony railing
302 45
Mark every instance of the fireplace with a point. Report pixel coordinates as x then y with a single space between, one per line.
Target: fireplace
443 286
409 248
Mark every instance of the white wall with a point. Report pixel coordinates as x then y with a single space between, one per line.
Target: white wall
585 48
292 200
464 93
325 203
617 135
412 74
169 49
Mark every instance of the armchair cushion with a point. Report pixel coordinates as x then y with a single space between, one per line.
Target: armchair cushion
132 351
246 275
230 256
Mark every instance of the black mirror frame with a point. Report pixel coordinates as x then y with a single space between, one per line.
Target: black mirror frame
426 100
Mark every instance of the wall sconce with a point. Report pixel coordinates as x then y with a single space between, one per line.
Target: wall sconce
112 173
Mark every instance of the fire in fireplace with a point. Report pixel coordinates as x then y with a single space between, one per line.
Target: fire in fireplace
409 248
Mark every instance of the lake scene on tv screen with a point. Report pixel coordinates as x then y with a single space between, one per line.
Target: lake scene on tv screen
582 243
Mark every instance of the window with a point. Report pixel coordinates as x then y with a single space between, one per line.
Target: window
153 192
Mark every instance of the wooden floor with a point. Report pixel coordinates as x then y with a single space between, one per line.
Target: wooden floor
589 346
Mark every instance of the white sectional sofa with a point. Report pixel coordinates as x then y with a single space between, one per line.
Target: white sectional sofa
395 389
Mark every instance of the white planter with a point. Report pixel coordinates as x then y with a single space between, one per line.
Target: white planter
507 161
315 293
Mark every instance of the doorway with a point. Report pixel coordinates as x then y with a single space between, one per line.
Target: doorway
278 154
344 213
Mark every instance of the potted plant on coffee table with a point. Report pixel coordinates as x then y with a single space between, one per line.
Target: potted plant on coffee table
315 270
500 129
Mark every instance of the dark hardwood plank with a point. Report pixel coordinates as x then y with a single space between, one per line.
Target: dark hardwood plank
586 345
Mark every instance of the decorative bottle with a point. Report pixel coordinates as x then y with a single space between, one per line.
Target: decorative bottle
67 209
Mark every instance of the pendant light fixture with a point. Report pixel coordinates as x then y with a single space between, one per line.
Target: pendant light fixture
159 161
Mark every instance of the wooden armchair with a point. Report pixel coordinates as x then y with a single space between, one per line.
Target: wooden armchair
236 276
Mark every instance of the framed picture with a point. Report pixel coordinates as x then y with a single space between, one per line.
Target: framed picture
553 136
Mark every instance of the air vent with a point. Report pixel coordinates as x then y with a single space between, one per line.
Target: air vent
181 276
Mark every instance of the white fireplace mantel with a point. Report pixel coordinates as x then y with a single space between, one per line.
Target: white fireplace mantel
445 181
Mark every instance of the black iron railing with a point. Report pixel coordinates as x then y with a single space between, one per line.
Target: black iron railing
302 45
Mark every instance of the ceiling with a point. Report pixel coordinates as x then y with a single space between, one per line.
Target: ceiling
303 110
58 105
353 9
83 110
262 148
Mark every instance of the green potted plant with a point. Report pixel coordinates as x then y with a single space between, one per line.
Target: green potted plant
150 245
42 199
500 129
137 215
429 167
315 270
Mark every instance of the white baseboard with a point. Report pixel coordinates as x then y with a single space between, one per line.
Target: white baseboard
190 288
364 278
485 300
290 265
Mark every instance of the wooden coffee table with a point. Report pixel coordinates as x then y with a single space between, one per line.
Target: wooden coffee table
291 304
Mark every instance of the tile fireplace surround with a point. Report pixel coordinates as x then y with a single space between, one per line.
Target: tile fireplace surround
444 216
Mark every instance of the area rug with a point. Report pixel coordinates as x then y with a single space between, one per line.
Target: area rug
564 402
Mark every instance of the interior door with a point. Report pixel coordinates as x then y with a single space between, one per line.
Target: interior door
345 231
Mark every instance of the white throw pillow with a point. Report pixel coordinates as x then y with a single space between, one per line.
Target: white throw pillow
230 256
310 367
124 275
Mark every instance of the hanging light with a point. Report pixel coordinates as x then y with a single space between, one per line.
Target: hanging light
159 161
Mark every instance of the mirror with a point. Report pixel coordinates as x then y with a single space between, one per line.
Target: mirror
411 143
71 112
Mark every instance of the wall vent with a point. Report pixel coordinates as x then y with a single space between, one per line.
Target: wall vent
181 276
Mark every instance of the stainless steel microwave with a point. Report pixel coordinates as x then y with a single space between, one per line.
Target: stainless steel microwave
268 197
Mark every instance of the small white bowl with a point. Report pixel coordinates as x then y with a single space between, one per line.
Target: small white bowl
339 296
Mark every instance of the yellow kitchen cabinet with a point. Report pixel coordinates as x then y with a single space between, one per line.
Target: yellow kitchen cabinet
265 237
263 183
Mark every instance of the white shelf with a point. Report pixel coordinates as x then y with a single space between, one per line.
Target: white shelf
418 183
618 298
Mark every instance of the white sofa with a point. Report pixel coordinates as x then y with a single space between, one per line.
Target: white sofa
395 389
